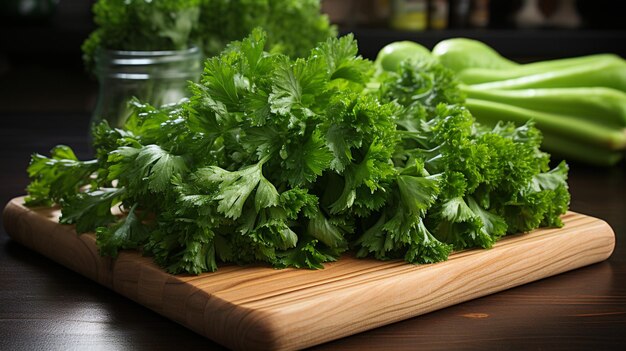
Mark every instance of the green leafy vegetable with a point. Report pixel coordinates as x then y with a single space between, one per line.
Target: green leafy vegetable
578 103
294 161
57 177
293 26
141 25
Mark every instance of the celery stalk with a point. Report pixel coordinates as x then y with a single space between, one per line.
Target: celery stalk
574 150
610 74
600 105
586 132
477 75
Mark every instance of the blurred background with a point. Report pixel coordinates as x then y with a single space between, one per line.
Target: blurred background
40 39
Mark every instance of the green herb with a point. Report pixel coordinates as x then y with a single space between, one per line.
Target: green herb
293 26
578 103
141 25
294 161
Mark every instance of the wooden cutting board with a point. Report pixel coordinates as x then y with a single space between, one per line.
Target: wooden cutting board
257 307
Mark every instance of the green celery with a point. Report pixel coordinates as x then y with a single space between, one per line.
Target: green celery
477 75
585 132
604 106
610 74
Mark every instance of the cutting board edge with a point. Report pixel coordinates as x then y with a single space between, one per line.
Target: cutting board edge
283 337
261 328
16 218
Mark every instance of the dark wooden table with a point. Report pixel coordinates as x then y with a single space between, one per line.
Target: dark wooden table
44 306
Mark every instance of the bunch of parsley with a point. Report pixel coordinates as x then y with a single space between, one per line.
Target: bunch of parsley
293 26
294 161
141 25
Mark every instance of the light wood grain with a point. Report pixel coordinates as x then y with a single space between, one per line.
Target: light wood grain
257 307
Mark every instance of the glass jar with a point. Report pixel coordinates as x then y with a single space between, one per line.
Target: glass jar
154 77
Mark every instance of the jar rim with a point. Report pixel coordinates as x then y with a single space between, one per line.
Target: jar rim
143 53
110 59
